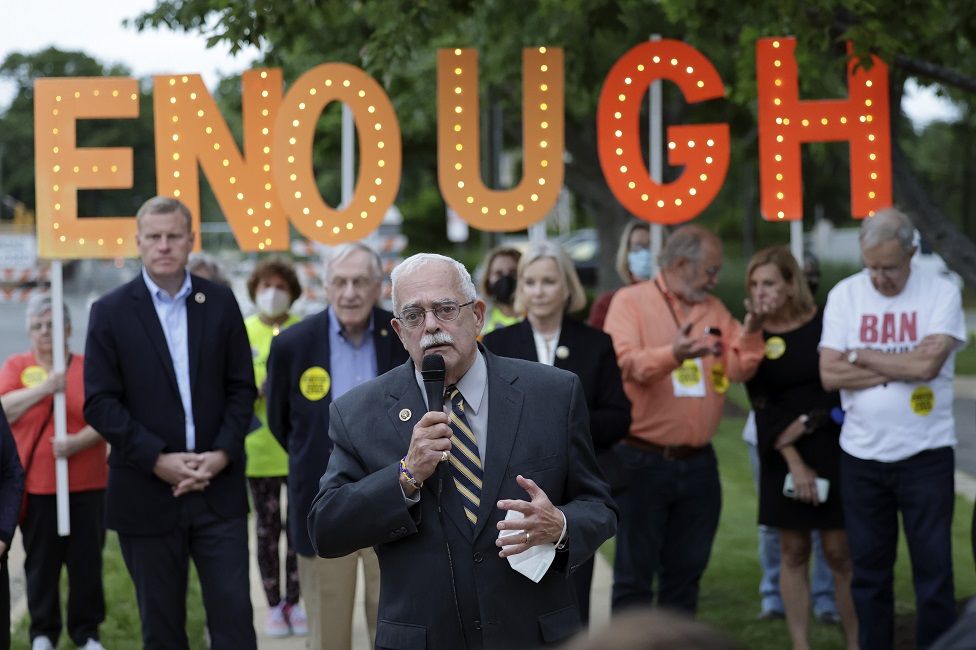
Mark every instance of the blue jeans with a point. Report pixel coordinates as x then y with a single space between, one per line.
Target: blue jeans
921 489
668 519
822 583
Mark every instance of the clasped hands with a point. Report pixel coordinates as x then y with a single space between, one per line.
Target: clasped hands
190 472
542 522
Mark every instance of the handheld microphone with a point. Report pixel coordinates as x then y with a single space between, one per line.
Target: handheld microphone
432 371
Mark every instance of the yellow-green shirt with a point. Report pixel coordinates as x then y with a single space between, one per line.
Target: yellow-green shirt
497 320
265 457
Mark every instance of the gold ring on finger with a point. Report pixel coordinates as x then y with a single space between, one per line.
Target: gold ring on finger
444 456
526 537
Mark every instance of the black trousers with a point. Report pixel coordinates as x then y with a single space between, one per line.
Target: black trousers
80 552
159 566
4 602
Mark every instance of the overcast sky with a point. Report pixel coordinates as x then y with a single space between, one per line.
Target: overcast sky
95 27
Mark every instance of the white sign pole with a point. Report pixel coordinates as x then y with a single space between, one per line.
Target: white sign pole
348 155
655 155
60 413
796 241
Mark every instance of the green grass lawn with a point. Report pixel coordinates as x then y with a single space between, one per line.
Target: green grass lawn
730 588
121 627
966 358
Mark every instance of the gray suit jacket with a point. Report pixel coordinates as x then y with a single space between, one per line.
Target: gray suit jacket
441 586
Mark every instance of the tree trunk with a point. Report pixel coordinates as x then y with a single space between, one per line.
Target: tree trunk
945 238
938 230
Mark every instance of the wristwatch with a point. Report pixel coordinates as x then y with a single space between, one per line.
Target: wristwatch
852 357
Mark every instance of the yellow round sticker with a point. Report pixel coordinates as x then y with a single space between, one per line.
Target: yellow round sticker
32 375
922 400
688 374
315 383
775 347
719 381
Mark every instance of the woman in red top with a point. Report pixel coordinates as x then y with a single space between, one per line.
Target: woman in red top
27 387
634 264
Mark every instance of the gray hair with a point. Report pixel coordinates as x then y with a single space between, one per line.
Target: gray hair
886 225
211 268
420 260
164 205
41 303
684 242
343 251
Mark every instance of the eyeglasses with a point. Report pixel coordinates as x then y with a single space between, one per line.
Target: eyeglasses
445 312
44 325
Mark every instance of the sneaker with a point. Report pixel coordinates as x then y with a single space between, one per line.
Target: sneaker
92 644
297 619
770 615
42 643
828 617
276 623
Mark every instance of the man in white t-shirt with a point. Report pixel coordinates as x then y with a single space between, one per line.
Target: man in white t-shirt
889 339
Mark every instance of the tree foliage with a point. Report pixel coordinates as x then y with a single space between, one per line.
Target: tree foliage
17 132
396 42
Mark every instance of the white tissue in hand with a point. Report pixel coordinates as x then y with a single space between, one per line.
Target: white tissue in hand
534 562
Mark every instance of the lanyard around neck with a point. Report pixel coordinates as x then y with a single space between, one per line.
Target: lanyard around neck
664 296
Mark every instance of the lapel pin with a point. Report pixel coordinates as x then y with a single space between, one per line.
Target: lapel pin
405 415
562 352
383 332
200 298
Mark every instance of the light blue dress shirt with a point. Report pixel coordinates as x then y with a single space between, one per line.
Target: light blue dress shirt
171 311
350 364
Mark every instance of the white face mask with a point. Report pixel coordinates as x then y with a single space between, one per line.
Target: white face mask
272 302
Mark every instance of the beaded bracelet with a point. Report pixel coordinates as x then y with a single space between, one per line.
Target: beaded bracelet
407 476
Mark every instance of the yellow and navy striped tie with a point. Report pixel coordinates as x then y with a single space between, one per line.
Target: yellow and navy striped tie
465 461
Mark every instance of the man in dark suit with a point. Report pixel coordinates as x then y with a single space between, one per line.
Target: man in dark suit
169 383
311 364
431 490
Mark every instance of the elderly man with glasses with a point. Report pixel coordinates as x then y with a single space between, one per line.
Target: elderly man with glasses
480 503
889 341
678 348
311 364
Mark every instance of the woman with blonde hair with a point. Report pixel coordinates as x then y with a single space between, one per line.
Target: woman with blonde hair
798 426
548 289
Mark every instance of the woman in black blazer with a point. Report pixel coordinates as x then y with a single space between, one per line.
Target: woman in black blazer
546 291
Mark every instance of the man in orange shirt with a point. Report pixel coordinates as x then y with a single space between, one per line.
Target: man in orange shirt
678 348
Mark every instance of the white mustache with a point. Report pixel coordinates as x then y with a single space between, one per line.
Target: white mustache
437 338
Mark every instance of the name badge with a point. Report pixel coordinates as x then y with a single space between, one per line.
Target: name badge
688 379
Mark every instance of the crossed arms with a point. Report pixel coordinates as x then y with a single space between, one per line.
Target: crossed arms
875 367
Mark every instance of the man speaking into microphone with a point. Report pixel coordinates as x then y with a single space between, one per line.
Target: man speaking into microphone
478 505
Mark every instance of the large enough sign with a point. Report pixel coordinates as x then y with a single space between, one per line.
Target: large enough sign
271 182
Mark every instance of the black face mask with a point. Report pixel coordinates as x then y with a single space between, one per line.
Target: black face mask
503 289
